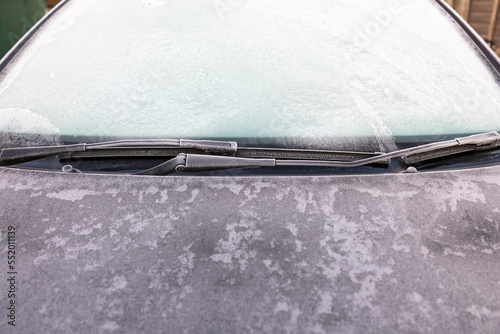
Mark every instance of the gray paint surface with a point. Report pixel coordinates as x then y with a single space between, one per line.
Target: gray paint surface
401 253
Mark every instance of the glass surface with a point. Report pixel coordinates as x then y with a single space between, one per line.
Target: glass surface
301 73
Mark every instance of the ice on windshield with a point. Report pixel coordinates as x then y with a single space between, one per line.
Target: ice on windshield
24 121
285 69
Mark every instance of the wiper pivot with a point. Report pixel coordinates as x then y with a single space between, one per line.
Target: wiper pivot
166 167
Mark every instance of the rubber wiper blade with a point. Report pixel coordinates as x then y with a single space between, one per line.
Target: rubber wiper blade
17 155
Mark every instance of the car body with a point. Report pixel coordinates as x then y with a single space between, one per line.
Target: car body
382 248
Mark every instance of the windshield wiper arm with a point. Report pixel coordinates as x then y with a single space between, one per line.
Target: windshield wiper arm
17 155
205 163
201 163
169 148
478 142
197 162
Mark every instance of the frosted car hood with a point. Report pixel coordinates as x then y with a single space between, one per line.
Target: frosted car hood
385 253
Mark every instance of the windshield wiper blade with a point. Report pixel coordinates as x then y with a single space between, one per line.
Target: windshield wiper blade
17 155
201 163
243 152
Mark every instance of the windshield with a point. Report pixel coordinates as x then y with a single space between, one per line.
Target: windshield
362 75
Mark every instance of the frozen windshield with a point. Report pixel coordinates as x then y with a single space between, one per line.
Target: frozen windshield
304 73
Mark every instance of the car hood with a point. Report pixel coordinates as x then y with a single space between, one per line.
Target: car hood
373 253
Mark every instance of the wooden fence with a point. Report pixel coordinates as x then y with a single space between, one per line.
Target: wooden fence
483 16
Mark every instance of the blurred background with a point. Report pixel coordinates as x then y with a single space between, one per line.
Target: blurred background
482 15
18 16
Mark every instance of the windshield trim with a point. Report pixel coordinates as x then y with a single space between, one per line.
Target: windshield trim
26 38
